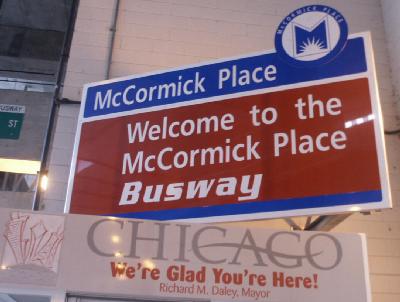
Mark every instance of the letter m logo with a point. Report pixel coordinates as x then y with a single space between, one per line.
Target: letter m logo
311 40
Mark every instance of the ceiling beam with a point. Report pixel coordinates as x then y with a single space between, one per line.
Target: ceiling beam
6 298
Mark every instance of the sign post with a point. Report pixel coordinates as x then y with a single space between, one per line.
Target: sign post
266 135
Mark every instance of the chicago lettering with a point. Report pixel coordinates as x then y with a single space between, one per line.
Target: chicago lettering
204 244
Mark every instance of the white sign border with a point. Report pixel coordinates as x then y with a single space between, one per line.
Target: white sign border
370 74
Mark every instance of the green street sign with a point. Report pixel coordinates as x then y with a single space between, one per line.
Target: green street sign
11 117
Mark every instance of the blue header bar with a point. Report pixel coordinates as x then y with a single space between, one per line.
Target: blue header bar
216 79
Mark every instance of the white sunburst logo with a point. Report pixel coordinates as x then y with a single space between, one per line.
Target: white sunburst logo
311 36
311 46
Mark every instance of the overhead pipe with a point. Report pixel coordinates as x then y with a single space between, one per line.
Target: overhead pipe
113 30
54 105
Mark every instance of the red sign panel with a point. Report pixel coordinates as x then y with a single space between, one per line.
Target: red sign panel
247 149
274 146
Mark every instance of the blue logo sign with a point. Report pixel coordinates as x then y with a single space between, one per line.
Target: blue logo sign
311 36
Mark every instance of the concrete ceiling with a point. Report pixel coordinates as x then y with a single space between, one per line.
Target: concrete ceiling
23 298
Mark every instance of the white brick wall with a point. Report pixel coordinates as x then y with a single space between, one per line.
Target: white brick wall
87 62
60 158
391 9
168 33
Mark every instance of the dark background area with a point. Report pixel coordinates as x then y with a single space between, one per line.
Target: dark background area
31 35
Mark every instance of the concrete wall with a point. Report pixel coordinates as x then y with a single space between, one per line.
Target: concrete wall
32 34
60 159
30 143
158 34
391 9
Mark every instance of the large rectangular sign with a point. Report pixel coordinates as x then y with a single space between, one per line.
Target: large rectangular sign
187 261
244 138
147 260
